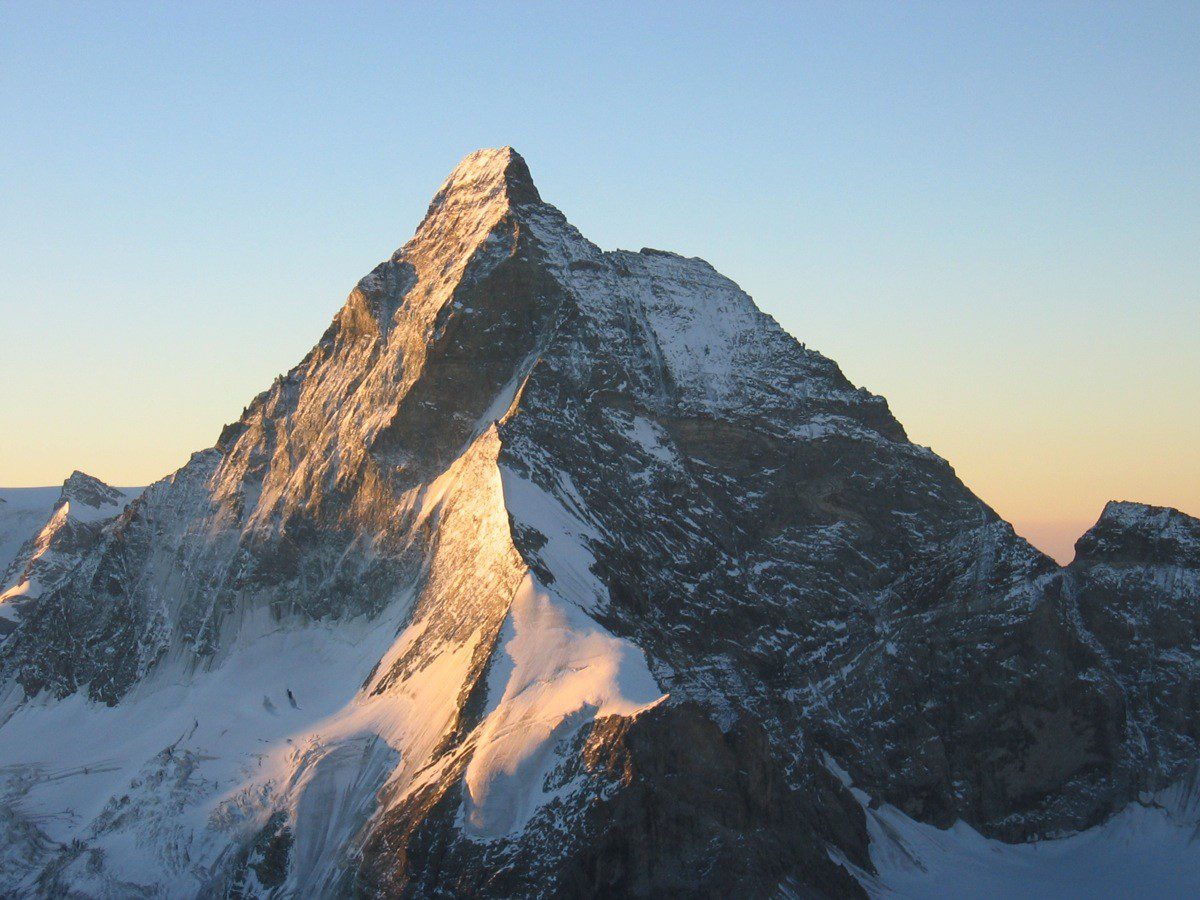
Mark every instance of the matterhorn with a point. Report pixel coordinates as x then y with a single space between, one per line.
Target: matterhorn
559 572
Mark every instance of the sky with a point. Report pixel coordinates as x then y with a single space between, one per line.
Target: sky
987 213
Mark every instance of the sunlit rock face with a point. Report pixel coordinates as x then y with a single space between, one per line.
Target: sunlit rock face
556 571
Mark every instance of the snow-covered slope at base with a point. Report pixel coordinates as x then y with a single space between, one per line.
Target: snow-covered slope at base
191 762
1144 851
221 739
1149 849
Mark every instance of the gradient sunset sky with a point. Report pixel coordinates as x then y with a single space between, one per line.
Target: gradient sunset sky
988 213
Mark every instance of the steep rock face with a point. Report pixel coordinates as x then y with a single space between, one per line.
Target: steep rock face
555 571
1136 581
308 504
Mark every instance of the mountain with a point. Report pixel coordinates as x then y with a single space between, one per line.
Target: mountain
556 571
61 532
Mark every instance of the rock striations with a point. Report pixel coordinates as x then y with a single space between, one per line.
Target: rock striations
559 572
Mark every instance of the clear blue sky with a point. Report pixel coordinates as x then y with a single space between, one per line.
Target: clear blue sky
989 213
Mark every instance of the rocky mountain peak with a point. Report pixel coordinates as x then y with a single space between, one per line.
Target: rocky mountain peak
1140 533
469 223
82 489
52 553
488 176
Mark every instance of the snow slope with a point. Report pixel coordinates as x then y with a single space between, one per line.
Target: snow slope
23 513
1145 851
162 782
1151 848
557 672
